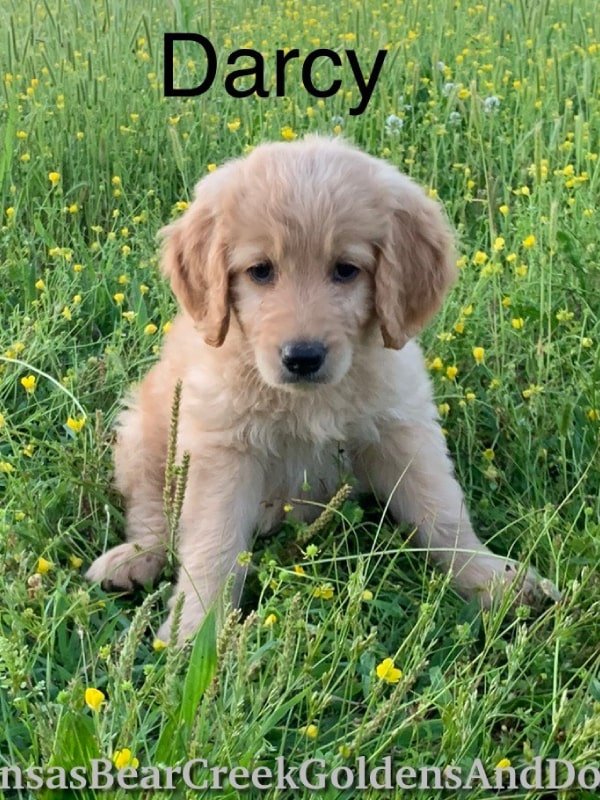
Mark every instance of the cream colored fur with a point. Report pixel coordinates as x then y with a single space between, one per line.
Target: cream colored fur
254 437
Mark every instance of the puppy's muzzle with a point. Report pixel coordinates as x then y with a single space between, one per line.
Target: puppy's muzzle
303 359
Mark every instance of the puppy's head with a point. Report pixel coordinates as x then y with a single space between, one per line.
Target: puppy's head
313 246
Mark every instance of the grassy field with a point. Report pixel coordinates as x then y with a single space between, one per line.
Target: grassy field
495 107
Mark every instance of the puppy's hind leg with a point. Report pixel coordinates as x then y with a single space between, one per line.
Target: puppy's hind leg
139 473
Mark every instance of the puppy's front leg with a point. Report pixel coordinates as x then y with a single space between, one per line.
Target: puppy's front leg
411 466
219 515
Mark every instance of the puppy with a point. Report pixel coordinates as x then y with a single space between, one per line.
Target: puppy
304 271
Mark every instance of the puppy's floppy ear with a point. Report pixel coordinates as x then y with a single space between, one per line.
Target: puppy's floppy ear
194 259
416 263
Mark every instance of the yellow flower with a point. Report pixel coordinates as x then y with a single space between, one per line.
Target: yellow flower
529 241
367 595
40 285
270 621
459 326
115 180
29 383
76 425
586 341
386 671
480 258
129 315
150 329
521 270
506 302
125 758
324 592
234 125
6 467
478 354
498 244
54 177
21 134
504 209
437 363
451 372
517 323
310 731
10 212
75 561
564 315
532 390
211 167
167 326
94 698
443 409
2 420
489 454
593 414
43 566
73 208
288 133
181 205
66 313
298 569
504 763
118 298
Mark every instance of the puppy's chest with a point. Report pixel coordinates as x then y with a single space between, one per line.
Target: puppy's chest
300 479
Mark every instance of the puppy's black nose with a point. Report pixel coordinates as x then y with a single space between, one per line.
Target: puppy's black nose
303 358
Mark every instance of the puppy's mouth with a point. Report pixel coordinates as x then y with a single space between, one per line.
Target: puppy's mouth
303 381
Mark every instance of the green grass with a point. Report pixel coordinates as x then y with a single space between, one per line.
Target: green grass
81 96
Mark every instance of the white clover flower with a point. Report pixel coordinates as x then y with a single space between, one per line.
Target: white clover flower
393 124
440 66
447 88
454 118
491 103
337 121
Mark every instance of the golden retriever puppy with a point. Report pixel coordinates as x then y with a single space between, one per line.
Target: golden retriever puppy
304 271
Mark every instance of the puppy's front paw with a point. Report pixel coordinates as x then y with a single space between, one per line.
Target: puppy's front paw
126 566
490 577
192 615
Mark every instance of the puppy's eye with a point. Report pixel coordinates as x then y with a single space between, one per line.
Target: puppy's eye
344 272
262 272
